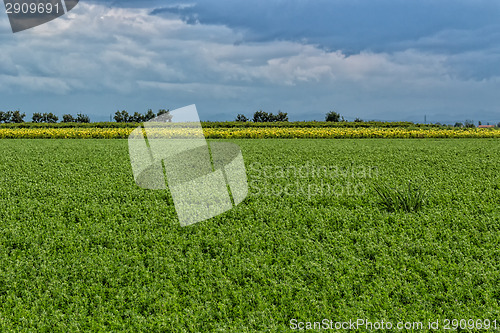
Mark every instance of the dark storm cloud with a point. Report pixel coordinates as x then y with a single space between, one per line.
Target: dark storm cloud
350 26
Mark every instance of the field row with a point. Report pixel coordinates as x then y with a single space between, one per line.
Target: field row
252 133
232 124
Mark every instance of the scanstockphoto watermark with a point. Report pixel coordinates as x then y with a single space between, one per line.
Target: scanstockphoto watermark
205 180
312 170
357 324
447 324
309 180
309 190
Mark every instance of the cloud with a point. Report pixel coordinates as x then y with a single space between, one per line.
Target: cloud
136 57
34 83
350 26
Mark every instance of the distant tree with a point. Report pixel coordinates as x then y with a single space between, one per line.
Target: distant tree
469 124
358 120
241 118
281 116
67 118
457 124
122 116
479 123
498 125
166 114
3 117
262 117
37 117
17 117
149 115
8 116
12 117
118 117
49 118
44 117
137 118
332 116
82 118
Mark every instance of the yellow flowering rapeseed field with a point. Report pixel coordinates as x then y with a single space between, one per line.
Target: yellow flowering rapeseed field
254 133
64 133
341 133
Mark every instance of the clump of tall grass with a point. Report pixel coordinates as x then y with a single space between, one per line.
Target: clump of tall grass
408 199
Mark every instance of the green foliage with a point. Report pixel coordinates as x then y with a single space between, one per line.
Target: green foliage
264 117
122 117
241 118
70 125
37 117
8 117
83 249
44 118
15 117
50 117
67 118
332 116
469 124
235 124
4 117
137 118
149 115
166 114
358 120
261 117
82 118
313 124
281 117
410 199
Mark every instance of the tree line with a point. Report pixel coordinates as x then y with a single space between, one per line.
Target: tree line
52 118
331 116
264 117
12 117
49 117
124 117
137 117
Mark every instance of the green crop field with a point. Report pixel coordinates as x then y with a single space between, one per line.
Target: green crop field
82 248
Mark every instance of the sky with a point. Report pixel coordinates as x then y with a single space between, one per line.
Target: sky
398 60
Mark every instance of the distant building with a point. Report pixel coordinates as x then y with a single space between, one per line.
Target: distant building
486 126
